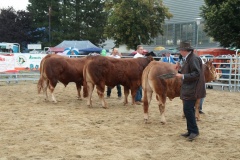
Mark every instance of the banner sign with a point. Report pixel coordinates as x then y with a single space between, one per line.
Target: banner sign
28 61
6 62
20 61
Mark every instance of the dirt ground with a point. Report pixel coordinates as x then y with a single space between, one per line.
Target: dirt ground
34 129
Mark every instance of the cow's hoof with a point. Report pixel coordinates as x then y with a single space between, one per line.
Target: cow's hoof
163 123
54 102
79 98
105 107
145 121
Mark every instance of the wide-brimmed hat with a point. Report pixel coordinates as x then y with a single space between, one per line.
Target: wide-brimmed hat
186 46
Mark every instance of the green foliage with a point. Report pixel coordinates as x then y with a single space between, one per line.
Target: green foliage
69 20
135 22
222 21
16 27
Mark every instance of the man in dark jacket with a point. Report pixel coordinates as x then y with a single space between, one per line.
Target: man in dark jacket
193 87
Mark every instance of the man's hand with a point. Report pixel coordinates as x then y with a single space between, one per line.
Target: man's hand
178 75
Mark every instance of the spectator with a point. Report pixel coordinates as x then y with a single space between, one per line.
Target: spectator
225 69
168 58
200 107
138 98
103 52
115 54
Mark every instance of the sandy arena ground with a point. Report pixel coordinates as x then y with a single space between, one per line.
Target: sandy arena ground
34 129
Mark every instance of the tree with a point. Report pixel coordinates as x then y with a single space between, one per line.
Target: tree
222 21
46 20
16 26
135 22
69 20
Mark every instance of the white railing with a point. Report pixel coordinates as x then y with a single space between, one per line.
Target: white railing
228 69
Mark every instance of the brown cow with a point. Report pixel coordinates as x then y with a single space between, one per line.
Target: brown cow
166 87
54 68
109 71
210 74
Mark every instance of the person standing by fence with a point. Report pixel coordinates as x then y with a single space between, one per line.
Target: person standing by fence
168 58
115 54
138 97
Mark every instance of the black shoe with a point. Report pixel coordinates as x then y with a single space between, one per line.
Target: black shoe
192 136
201 112
185 135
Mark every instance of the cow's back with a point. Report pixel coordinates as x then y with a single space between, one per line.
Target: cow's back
164 87
64 69
110 71
115 71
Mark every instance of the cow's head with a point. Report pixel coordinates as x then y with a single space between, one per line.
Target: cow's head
210 71
177 67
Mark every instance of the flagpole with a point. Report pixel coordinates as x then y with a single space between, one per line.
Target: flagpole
49 23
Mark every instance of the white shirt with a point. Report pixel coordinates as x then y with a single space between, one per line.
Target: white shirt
138 55
116 56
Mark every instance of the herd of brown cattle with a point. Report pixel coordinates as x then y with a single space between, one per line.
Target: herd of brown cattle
131 73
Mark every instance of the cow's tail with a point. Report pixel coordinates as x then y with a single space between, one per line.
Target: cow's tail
145 74
40 85
85 87
42 79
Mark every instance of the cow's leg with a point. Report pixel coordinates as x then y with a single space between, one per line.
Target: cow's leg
51 88
197 105
161 105
147 97
90 88
45 85
100 91
78 86
126 93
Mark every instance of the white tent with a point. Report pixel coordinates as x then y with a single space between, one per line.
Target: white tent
76 44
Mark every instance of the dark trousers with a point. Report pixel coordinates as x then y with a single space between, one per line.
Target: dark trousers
201 103
138 96
189 111
119 92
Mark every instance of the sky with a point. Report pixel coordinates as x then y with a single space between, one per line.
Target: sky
16 4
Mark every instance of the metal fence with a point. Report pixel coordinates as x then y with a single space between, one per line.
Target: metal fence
15 77
228 69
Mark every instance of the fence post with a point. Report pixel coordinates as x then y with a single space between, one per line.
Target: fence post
236 78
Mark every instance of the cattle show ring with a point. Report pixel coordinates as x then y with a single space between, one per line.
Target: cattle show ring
33 128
